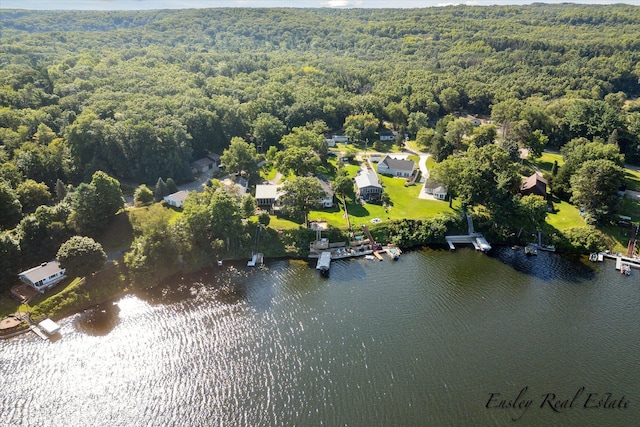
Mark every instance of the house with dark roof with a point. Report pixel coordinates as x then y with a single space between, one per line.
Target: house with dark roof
387 136
535 184
396 167
43 277
209 162
367 185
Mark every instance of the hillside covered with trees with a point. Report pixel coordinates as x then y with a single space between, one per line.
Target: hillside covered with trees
140 95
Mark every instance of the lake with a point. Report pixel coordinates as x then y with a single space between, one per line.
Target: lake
436 338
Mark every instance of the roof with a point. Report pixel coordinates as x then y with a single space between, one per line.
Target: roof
213 156
267 191
399 164
178 196
367 179
535 180
43 271
205 161
326 186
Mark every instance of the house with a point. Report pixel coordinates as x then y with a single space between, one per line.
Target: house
396 167
476 121
176 199
535 184
340 138
330 142
43 277
209 162
367 185
327 200
267 195
387 136
437 190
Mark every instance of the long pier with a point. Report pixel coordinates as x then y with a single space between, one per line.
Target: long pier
619 259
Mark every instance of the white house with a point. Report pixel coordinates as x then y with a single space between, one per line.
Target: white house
367 185
327 200
43 277
396 167
387 136
437 190
267 195
176 199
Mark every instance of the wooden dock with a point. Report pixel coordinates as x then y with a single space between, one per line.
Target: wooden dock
619 259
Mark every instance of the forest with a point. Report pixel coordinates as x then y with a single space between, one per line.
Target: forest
141 95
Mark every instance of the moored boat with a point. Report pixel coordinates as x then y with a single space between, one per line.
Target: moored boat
530 250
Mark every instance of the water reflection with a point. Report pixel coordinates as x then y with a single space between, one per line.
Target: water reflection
99 320
546 266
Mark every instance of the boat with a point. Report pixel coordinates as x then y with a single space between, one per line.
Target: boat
530 250
593 257
625 269
324 263
548 248
370 257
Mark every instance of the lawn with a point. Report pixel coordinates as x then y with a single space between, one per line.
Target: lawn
545 162
632 179
404 204
566 216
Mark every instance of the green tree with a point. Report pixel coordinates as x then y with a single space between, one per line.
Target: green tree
142 195
160 190
81 256
264 219
485 134
299 160
360 127
241 157
450 99
424 138
267 131
10 207
33 194
248 206
301 195
171 186
343 185
109 198
595 188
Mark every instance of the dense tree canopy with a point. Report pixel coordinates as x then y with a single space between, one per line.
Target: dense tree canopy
81 256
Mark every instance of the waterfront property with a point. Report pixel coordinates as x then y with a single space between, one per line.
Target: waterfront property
396 167
176 199
367 185
43 277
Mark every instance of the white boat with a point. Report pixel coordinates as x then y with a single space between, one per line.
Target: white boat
370 257
625 269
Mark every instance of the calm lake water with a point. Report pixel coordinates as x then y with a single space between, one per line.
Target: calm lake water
436 338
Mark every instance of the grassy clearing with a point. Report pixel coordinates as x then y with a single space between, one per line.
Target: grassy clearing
545 162
632 179
118 235
566 216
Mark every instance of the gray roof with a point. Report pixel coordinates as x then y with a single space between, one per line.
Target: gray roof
43 271
399 164
178 196
326 186
367 179
267 191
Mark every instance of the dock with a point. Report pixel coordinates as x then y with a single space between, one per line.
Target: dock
256 259
474 238
620 260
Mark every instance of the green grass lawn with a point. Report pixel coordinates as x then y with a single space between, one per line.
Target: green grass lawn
545 162
632 179
404 204
566 216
